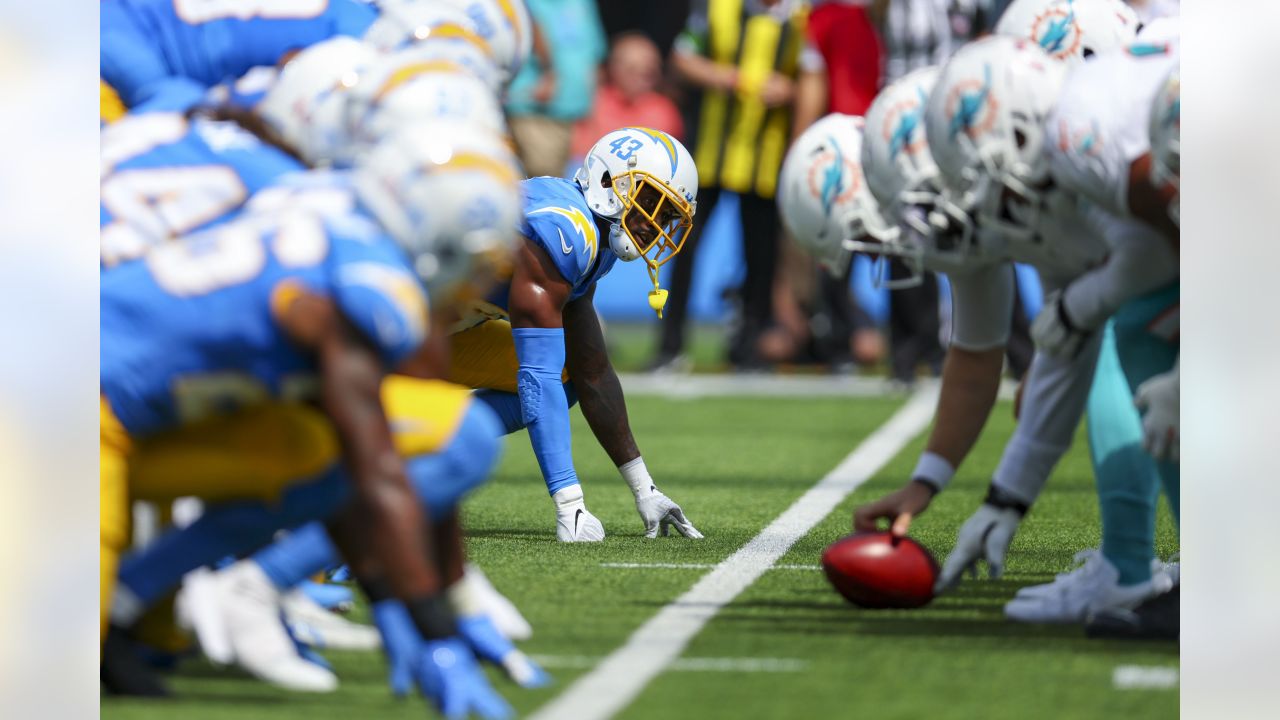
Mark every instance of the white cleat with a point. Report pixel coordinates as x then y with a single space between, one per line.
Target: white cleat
504 614
574 523
251 608
322 629
198 610
1072 597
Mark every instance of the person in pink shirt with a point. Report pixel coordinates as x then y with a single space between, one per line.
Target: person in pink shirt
629 95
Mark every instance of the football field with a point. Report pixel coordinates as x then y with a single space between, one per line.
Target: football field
766 635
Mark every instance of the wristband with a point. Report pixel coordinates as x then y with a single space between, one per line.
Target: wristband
933 470
433 617
637 477
1003 500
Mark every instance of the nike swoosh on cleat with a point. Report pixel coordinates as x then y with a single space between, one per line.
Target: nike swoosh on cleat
564 245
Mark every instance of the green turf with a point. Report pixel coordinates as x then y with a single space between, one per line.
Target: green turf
735 464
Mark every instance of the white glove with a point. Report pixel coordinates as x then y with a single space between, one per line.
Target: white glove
984 536
1157 399
658 510
1053 332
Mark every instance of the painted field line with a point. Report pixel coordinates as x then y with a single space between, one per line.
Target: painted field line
690 664
1144 677
690 566
620 677
697 386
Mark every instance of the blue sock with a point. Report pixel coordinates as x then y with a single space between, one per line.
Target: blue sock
1126 474
1143 355
440 480
298 556
227 529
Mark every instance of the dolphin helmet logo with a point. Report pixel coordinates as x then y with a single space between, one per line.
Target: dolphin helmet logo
1057 32
901 123
972 106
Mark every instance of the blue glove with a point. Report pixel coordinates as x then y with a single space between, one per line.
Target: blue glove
448 674
492 646
400 641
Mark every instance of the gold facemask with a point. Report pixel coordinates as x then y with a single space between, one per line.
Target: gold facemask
656 219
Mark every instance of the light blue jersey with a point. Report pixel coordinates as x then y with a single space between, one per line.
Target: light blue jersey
147 45
191 329
165 176
557 218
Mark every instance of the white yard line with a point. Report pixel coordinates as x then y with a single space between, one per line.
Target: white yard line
696 386
1144 677
689 664
656 645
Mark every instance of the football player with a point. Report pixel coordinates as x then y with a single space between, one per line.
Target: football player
333 293
536 347
153 46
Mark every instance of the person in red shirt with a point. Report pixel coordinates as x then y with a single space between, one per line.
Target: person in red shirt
842 34
629 95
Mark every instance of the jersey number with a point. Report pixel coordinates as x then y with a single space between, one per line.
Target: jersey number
152 205
624 147
236 253
194 12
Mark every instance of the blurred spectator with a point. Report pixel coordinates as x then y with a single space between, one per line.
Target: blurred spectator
743 56
658 21
843 41
558 85
629 95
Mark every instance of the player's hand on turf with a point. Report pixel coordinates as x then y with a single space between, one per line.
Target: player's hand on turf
449 676
492 646
1157 398
400 642
984 536
660 512
897 507
1053 331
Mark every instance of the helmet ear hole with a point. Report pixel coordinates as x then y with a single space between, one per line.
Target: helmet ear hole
606 180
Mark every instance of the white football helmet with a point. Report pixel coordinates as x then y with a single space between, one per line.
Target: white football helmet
645 181
306 103
1165 130
1070 30
505 25
403 87
823 197
895 152
450 196
985 123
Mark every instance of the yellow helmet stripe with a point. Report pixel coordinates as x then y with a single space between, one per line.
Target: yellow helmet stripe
405 73
662 139
466 161
453 30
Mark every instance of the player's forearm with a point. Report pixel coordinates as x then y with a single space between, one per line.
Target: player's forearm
384 506
605 408
970 383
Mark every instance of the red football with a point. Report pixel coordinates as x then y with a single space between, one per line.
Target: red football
873 570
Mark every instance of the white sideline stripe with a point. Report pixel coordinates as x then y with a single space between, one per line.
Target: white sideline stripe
691 664
691 566
1144 677
696 386
620 677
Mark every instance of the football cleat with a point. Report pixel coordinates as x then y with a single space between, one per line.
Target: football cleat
312 624
251 608
1155 619
1093 587
574 523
